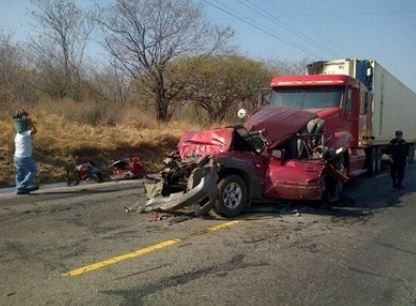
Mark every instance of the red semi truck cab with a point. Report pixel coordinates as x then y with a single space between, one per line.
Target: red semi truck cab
358 96
343 102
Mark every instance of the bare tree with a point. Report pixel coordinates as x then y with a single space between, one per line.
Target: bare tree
145 35
15 83
9 59
111 83
287 67
64 29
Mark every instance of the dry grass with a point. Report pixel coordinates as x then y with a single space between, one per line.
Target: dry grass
59 139
96 113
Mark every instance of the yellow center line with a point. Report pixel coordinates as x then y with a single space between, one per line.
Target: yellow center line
222 226
143 251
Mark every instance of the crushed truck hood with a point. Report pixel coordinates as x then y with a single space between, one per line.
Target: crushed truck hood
208 142
279 123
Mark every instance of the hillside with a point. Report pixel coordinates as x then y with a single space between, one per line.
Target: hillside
59 140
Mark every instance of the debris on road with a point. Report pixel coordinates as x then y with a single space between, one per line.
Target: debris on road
197 176
124 169
85 168
159 217
172 218
134 208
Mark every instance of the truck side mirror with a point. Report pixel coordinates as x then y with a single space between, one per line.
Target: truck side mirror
278 154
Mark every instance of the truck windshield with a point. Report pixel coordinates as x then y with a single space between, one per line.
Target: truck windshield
307 97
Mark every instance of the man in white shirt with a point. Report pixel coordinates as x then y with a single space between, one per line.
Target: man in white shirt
23 161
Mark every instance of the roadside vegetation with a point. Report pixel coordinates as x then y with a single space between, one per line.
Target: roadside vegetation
59 140
165 69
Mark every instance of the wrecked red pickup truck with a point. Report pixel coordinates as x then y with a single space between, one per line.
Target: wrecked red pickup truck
279 153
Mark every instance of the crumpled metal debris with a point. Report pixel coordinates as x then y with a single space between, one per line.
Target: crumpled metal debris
153 189
200 192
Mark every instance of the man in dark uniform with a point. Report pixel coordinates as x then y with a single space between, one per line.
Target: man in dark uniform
398 151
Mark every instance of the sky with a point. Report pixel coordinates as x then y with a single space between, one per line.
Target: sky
383 30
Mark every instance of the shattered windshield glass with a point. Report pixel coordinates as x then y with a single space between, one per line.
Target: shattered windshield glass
307 97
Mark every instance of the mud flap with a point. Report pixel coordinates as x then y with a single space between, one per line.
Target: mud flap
337 174
201 195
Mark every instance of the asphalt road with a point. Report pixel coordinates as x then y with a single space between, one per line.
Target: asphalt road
77 246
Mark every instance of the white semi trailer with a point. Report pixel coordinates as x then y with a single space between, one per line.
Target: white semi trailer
393 104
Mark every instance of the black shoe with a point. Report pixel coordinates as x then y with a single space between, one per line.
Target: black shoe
22 191
400 187
32 188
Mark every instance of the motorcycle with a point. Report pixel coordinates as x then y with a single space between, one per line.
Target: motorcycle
125 169
85 169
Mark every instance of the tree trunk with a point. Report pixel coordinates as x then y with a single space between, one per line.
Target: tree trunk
161 101
66 73
161 107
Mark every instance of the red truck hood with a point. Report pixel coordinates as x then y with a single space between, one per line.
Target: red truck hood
208 142
324 113
279 123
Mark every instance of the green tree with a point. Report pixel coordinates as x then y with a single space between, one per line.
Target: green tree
221 84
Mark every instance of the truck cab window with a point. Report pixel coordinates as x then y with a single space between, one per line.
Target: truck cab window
310 97
348 101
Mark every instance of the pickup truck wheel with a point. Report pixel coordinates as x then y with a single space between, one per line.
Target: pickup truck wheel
232 196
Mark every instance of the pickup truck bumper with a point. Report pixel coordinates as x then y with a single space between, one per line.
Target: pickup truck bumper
201 197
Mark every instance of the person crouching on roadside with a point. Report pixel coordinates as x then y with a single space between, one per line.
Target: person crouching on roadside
23 161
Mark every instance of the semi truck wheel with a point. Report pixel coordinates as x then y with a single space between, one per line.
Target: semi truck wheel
232 196
377 156
371 161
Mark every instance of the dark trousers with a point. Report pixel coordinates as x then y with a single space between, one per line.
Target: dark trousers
397 173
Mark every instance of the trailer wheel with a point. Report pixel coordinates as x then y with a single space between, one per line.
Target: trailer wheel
232 196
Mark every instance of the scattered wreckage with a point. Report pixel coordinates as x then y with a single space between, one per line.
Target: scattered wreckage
126 169
122 169
279 153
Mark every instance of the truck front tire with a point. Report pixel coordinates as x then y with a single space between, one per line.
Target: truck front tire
232 196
